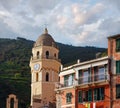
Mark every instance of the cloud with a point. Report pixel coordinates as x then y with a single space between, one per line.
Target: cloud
41 6
84 22
9 4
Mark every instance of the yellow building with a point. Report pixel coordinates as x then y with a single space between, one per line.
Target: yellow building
45 66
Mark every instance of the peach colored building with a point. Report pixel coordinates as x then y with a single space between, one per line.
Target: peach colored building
92 84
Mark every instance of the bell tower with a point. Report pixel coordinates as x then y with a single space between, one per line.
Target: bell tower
45 66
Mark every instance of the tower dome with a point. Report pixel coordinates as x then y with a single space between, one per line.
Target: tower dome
45 39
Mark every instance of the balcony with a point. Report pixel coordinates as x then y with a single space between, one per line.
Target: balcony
66 84
94 79
99 79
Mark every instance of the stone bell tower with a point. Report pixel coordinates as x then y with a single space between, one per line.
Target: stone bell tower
45 66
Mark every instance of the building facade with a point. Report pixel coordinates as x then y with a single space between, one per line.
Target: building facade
92 84
45 66
114 55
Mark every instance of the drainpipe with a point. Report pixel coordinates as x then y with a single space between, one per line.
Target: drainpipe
111 91
75 88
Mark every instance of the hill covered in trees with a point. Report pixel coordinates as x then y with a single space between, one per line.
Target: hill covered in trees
15 71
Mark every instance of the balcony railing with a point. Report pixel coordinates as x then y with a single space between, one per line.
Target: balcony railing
84 80
66 83
93 78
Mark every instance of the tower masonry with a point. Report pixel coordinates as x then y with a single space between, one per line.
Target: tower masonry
45 66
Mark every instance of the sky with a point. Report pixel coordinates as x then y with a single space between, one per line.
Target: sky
73 22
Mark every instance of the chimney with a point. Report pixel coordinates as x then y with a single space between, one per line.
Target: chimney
78 61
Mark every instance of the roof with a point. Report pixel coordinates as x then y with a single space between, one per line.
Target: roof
45 39
114 36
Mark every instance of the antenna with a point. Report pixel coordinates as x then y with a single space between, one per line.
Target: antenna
45 24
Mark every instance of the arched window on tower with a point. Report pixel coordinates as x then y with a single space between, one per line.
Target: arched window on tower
55 55
36 77
38 54
47 54
12 103
47 76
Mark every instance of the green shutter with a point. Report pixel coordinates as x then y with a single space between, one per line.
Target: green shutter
117 67
90 95
95 94
101 93
118 45
80 96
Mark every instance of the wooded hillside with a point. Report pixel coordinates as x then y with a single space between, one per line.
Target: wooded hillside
15 71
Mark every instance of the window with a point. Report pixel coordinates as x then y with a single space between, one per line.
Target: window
85 76
118 67
85 96
12 103
47 54
117 91
100 73
55 55
68 97
38 54
99 93
36 77
47 76
117 45
68 80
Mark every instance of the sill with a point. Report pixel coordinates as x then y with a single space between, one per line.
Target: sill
85 102
68 102
91 101
98 100
118 51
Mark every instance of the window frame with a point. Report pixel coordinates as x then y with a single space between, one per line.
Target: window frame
68 97
87 94
99 94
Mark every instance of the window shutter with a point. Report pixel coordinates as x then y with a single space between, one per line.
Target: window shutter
117 44
117 67
90 95
95 94
101 93
80 96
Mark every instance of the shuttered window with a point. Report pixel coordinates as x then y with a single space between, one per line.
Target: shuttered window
68 97
118 67
99 94
118 45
